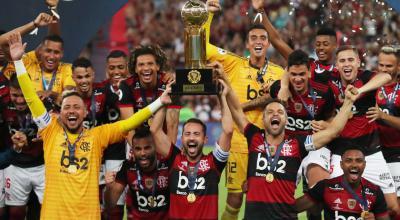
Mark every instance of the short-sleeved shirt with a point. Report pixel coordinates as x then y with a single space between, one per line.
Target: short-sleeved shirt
339 203
358 132
389 136
206 186
319 101
141 193
243 78
63 73
274 200
74 195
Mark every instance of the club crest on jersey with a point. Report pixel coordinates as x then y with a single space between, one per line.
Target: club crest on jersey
203 165
162 181
287 150
351 203
149 183
298 107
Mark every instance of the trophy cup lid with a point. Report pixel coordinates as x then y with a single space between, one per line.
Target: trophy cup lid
194 13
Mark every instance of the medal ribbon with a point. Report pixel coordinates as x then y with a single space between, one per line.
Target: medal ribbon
72 147
192 175
93 109
273 162
48 87
362 201
392 100
261 74
313 95
155 177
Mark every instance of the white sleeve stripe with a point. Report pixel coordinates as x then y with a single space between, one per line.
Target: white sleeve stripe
309 144
43 120
219 154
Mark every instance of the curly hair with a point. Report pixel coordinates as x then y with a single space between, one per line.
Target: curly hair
155 50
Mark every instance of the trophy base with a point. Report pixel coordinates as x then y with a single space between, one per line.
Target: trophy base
194 82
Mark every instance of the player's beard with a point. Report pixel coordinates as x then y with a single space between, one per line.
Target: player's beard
275 133
193 157
151 166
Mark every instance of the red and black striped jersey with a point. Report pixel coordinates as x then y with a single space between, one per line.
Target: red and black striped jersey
205 187
134 95
315 104
272 200
95 106
387 99
4 100
322 74
358 132
339 203
145 200
31 155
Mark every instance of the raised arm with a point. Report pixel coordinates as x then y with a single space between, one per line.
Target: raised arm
39 113
113 190
231 98
227 125
321 138
54 28
142 115
172 122
161 140
41 20
375 82
274 36
375 113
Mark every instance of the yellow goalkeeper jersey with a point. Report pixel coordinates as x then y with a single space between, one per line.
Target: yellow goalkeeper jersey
63 75
74 195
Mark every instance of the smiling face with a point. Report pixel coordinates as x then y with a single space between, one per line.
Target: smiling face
73 111
257 43
51 54
348 62
298 77
117 70
388 63
17 98
275 118
193 139
353 165
147 69
144 152
84 78
325 47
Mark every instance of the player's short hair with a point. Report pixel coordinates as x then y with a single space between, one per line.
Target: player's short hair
391 49
154 50
116 54
81 62
54 38
256 26
13 82
141 132
196 121
298 57
347 47
358 148
328 31
69 93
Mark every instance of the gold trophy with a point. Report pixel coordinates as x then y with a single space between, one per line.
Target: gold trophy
195 79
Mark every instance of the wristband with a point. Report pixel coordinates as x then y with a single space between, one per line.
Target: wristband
309 144
154 106
19 67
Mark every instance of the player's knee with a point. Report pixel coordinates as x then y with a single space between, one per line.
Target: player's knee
235 199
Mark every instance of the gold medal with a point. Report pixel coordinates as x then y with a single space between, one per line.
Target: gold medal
191 198
364 213
152 202
269 177
72 169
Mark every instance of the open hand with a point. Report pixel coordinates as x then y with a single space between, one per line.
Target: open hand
17 49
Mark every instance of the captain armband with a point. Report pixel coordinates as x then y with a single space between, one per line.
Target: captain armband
219 154
42 121
309 144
